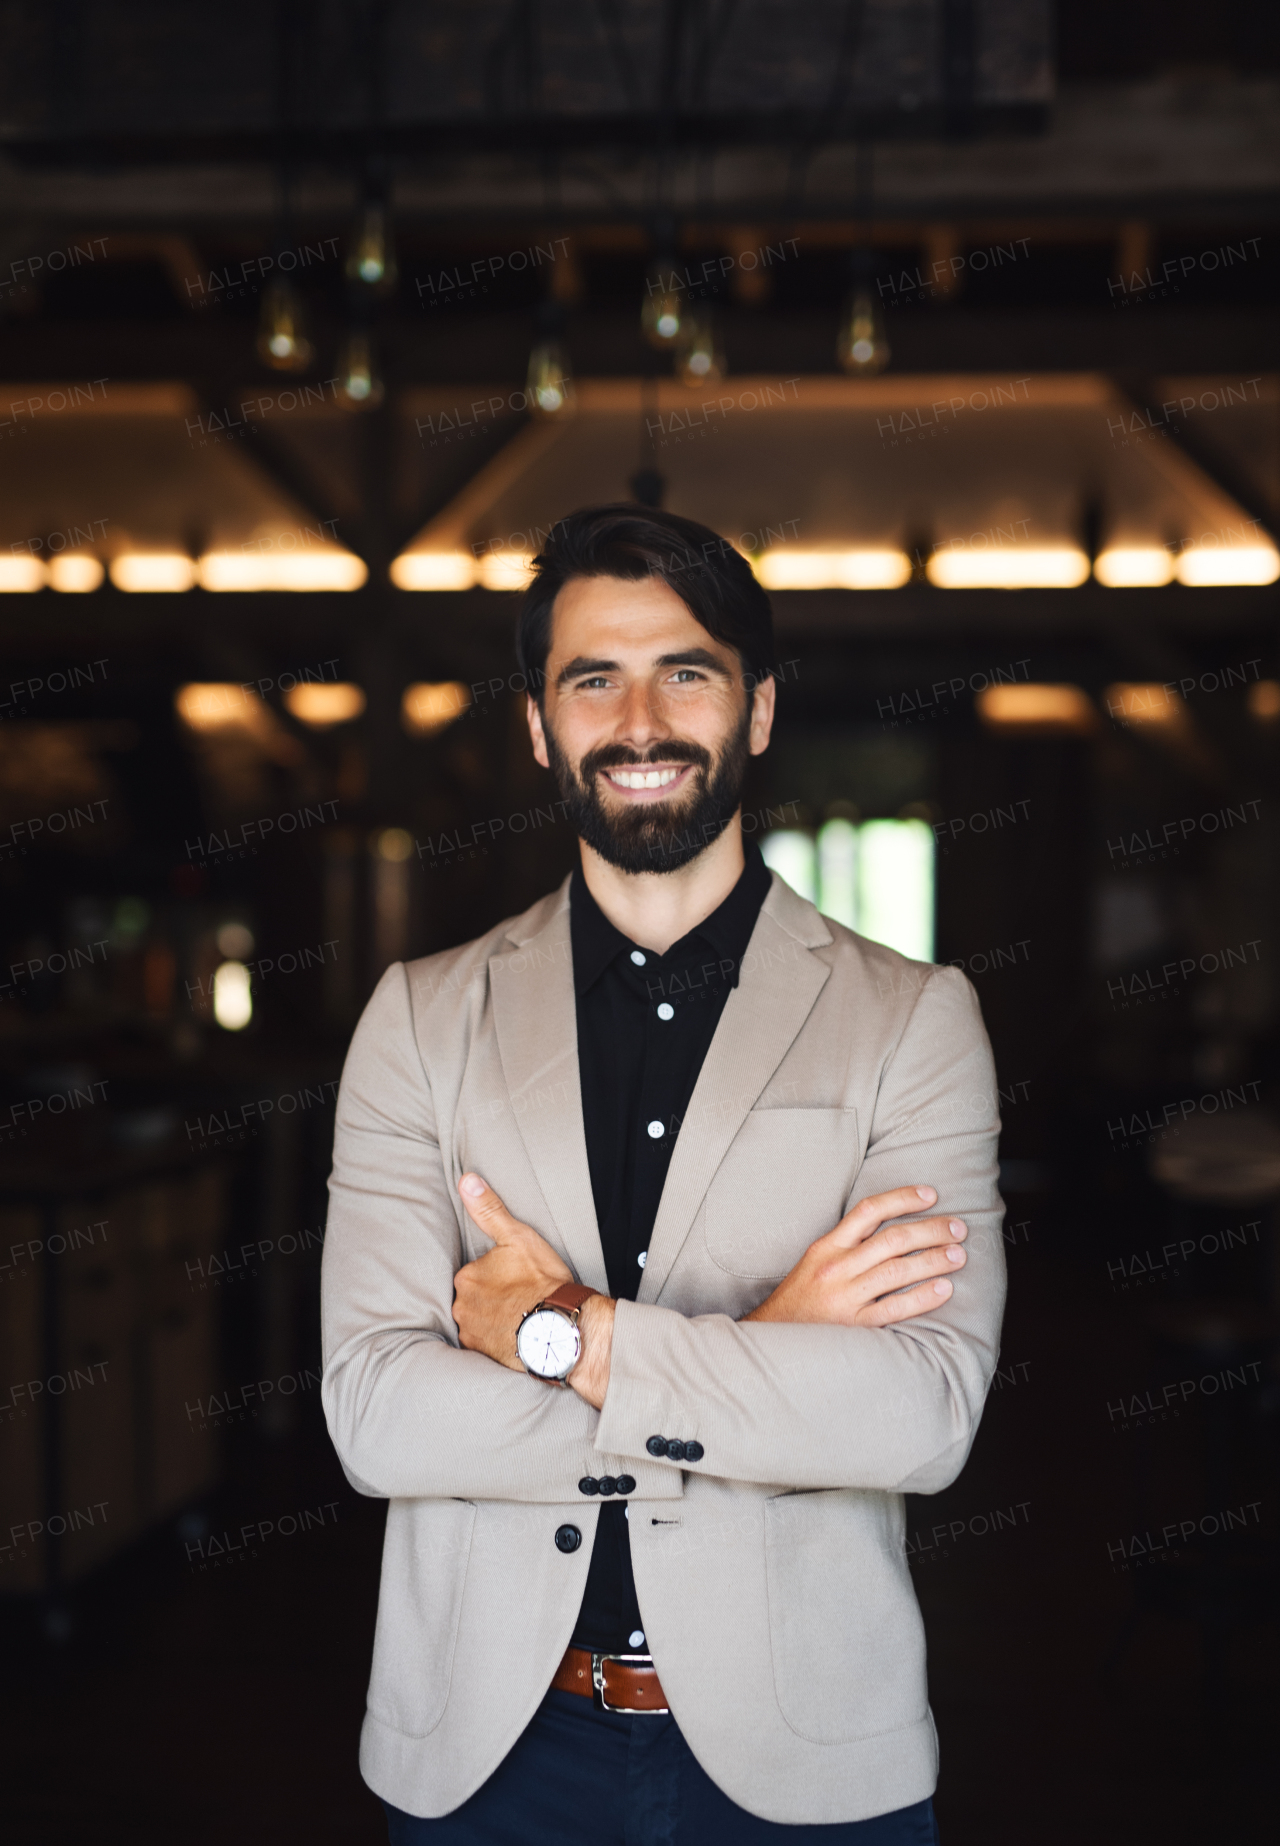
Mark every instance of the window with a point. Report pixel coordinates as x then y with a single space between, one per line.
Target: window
877 878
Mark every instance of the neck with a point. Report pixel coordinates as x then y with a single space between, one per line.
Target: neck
656 908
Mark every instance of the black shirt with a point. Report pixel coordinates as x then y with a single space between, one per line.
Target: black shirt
645 1025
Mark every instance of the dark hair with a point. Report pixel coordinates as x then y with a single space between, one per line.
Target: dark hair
715 582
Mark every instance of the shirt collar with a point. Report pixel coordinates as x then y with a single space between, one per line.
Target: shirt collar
596 941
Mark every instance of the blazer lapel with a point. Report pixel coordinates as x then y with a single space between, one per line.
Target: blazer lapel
778 984
535 1018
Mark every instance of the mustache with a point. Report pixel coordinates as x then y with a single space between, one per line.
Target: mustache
617 756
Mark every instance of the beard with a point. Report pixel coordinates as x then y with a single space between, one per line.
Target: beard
655 836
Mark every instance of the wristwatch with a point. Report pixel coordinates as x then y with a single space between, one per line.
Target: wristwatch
548 1340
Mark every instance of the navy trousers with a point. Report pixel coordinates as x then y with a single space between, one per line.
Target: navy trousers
578 1774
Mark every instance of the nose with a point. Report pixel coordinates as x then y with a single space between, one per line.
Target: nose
641 723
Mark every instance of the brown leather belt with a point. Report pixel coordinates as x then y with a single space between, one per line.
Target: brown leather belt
616 1682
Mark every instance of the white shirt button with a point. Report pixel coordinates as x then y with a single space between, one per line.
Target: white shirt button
656 1131
636 1638
666 1011
637 958
643 1258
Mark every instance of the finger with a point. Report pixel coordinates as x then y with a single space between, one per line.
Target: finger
868 1215
487 1210
925 1299
862 1284
903 1240
902 1271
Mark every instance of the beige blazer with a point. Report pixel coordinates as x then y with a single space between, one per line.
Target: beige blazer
772 1579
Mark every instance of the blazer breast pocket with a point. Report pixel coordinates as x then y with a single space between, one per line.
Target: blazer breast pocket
783 1182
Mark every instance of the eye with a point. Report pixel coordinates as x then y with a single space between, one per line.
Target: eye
596 679
692 673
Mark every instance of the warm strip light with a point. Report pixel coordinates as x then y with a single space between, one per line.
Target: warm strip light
426 707
783 569
282 570
1009 567
1204 566
21 574
217 705
393 844
1034 707
1143 702
75 573
322 703
1264 699
153 570
1133 567
232 996
433 570
499 570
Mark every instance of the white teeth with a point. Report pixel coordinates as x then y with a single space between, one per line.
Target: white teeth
641 778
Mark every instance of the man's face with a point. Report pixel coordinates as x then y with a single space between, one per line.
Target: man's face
646 724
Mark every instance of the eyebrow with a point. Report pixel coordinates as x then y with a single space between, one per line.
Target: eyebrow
584 665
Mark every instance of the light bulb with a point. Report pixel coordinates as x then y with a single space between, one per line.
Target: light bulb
371 258
282 341
863 347
550 382
662 313
699 359
359 384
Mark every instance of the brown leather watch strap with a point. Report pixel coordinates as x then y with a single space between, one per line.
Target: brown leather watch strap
626 1686
569 1296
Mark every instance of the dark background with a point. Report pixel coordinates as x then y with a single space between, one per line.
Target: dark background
190 1663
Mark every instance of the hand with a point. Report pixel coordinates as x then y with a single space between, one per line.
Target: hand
847 1278
493 1294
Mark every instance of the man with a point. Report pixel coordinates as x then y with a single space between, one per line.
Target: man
635 1307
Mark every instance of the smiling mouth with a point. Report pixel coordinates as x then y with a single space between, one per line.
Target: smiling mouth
646 779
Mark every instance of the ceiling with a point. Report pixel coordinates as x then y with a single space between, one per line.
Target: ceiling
963 462
826 463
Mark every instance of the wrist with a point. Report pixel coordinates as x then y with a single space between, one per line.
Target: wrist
590 1376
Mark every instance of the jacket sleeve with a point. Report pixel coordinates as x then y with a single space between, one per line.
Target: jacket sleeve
806 1406
411 1414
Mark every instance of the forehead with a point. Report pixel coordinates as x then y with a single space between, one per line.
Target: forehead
632 620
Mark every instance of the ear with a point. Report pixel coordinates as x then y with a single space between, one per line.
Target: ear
763 701
536 732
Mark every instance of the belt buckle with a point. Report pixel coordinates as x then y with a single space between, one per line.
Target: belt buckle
598 1664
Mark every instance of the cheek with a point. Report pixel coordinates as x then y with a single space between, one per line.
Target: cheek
580 724
708 714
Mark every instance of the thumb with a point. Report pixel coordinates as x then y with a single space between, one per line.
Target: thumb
487 1210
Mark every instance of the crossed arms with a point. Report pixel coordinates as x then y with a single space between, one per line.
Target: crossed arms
834 1381
842 1280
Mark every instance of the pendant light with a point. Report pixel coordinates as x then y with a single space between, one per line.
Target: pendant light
371 260
360 385
664 306
699 357
282 342
862 346
549 381
663 310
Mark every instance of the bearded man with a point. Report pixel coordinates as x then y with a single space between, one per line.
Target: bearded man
663 1258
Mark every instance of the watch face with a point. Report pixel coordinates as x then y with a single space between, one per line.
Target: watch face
548 1343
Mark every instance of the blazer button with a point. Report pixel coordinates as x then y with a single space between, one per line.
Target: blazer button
625 1483
568 1538
693 1451
675 1450
607 1484
657 1445
588 1485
